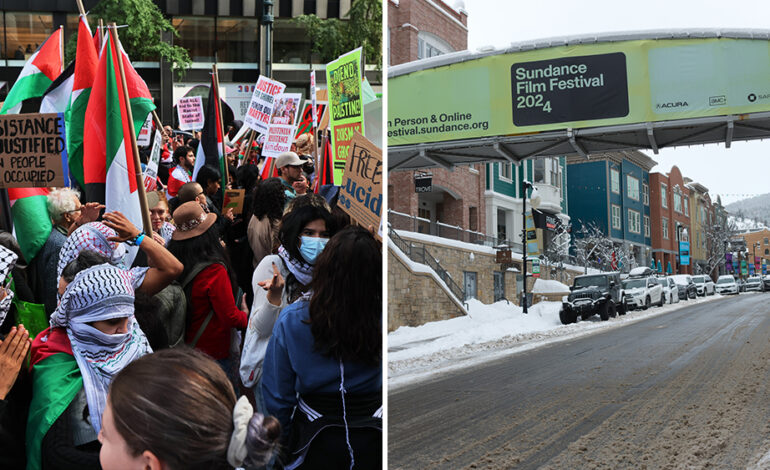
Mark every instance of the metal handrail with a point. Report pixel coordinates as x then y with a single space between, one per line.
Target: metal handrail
420 254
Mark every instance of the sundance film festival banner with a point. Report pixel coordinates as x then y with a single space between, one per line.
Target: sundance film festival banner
343 79
32 151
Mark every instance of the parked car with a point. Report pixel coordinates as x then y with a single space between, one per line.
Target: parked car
755 284
687 289
704 285
593 294
766 280
726 285
670 290
643 291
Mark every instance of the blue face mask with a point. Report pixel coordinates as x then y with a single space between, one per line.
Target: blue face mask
311 247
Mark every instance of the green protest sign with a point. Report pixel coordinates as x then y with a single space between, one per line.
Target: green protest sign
343 79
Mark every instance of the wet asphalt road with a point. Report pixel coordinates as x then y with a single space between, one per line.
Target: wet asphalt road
688 389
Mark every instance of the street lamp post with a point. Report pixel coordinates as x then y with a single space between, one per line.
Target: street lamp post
534 202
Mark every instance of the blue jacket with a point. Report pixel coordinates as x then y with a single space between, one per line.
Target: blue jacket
292 367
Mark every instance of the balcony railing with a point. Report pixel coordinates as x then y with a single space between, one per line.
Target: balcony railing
400 221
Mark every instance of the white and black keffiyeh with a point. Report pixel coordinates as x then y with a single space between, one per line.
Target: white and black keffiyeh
100 293
91 236
166 230
7 262
301 270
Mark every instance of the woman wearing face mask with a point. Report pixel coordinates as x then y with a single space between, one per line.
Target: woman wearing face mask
281 279
93 335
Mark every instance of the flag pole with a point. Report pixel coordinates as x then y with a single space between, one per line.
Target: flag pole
252 136
113 31
100 29
221 129
80 7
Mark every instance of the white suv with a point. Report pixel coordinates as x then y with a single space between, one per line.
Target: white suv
643 291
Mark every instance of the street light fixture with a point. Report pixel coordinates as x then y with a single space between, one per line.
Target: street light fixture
534 201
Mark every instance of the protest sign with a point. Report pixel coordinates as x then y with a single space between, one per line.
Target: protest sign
261 106
151 172
234 200
32 151
323 96
343 78
313 99
361 191
144 133
190 112
305 124
280 135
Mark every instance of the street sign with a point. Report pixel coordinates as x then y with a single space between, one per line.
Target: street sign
684 253
423 183
535 267
503 257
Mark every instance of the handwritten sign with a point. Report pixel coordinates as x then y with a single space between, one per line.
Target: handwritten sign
190 112
144 133
280 135
361 191
151 172
234 200
261 106
32 151
306 118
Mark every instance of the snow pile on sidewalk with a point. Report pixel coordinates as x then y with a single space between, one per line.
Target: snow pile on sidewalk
490 332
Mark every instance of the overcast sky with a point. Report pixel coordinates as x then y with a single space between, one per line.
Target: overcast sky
736 173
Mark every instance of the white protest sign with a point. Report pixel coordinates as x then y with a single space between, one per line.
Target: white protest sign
312 94
261 106
151 172
283 122
190 112
144 133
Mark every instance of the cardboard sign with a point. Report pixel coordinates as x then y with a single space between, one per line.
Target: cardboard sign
261 106
346 106
323 96
305 124
33 151
151 171
190 112
280 135
234 200
144 133
361 191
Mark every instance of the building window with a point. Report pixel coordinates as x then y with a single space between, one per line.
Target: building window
505 171
633 222
309 7
632 187
333 9
664 227
539 170
766 241
686 207
614 181
196 34
616 217
646 194
647 226
663 195
555 173
430 45
473 216
237 40
24 32
677 201
767 252
290 42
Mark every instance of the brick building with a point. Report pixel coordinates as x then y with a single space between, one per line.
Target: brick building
670 219
418 29
757 243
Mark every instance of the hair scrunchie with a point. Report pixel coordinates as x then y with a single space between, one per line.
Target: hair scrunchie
242 413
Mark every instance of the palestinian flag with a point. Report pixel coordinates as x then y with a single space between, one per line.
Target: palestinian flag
108 164
211 144
37 75
325 174
87 61
57 97
30 219
266 173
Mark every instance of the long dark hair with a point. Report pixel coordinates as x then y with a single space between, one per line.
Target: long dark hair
269 199
346 306
293 223
199 418
203 248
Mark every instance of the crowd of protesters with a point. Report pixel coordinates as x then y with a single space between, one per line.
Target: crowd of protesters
220 340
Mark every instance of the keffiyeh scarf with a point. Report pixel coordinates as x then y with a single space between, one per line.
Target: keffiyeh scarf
91 236
100 293
301 270
7 262
166 230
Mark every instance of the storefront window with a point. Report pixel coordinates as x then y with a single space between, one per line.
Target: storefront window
290 43
196 34
237 40
24 32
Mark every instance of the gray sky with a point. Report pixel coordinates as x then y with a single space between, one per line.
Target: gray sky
736 173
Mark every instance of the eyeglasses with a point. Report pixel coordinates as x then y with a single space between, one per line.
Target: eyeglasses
79 209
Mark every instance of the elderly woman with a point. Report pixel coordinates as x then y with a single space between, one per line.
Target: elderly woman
93 335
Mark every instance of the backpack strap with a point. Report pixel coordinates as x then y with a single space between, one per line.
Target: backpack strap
187 287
